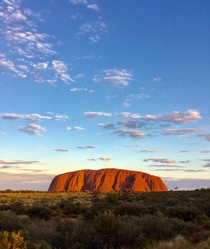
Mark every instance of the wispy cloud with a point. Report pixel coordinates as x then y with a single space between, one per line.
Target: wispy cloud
114 77
61 71
3 134
7 167
105 159
32 129
207 165
156 79
168 166
147 151
206 136
160 160
82 89
62 149
181 132
194 170
175 117
108 126
76 128
87 147
87 4
131 133
132 124
18 162
91 159
97 114
25 180
92 30
31 119
133 97
205 151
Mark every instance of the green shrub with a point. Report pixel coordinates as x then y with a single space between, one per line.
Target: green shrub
186 213
12 222
40 212
112 197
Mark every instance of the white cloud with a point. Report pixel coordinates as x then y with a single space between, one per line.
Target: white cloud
93 6
36 127
178 131
95 38
3 134
32 129
125 114
36 117
156 79
175 117
86 3
184 117
76 128
79 1
114 77
61 70
32 117
11 116
98 114
135 116
41 65
60 116
20 32
107 126
7 64
82 89
17 16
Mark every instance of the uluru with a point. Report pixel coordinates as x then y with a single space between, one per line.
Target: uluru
107 180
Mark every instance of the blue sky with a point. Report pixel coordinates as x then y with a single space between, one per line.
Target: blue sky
104 84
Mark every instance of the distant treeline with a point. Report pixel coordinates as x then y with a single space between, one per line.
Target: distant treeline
85 191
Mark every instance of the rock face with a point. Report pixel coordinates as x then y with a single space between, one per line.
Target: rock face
107 180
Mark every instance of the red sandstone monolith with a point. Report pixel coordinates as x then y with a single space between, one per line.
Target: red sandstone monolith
107 180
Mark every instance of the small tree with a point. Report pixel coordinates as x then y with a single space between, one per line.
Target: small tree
176 188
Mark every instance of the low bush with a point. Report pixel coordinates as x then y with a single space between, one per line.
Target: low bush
40 212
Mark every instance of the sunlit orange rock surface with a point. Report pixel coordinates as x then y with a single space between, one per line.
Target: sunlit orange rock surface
107 180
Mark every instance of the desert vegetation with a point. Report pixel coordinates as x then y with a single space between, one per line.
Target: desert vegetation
92 220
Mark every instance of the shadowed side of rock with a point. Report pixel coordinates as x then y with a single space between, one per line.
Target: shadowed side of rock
107 180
